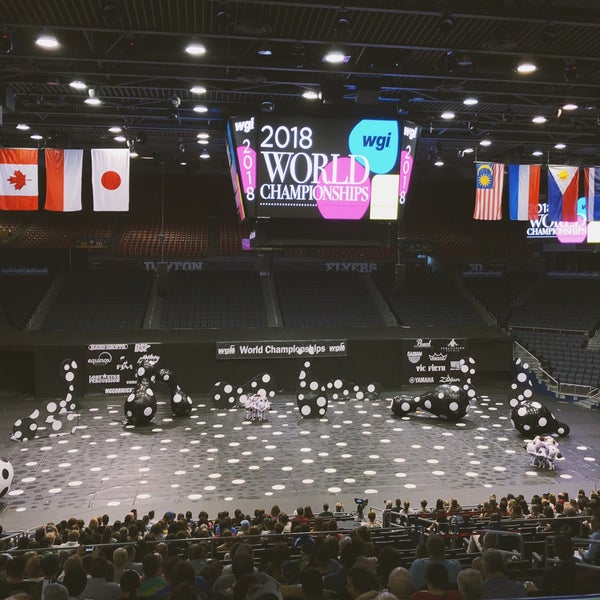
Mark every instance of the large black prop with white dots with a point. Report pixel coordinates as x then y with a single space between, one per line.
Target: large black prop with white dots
533 418
468 370
59 416
529 416
140 405
6 476
445 401
311 397
226 395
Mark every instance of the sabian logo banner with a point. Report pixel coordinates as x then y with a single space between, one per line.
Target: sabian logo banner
281 349
414 356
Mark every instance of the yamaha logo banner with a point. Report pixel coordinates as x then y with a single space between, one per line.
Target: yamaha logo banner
111 368
431 361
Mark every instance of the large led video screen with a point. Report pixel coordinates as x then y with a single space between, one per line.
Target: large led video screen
325 169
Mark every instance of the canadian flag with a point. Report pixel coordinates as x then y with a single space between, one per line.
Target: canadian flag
63 179
18 179
110 179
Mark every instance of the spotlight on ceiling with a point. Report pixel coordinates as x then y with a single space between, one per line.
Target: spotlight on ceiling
36 136
23 127
78 84
200 108
92 99
470 101
448 115
205 155
195 48
485 142
115 129
526 66
335 55
47 40
267 106
311 95
560 146
198 89
570 106
264 50
539 119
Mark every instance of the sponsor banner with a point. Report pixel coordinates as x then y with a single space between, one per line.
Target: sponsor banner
432 361
351 267
42 271
281 349
111 368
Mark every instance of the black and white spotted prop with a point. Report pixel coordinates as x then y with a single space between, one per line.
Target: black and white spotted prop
226 395
468 370
529 416
140 405
311 397
57 417
446 401
6 476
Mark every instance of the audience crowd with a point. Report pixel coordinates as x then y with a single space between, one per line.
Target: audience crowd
394 553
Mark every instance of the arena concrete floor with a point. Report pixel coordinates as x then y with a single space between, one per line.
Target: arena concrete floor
214 459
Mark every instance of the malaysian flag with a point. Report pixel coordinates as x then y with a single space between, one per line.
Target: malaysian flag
489 183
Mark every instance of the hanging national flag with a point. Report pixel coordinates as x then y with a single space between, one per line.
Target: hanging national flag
63 179
524 191
489 183
563 188
18 179
110 179
591 184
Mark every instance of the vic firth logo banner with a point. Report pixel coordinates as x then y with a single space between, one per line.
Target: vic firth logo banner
429 361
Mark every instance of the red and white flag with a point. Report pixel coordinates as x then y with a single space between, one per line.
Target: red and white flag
18 179
110 179
63 179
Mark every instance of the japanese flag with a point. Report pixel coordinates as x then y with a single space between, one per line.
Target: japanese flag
18 179
110 179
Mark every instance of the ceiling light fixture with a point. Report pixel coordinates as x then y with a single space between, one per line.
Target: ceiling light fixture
468 150
264 50
92 99
133 153
439 162
115 129
526 67
77 84
470 101
198 89
203 135
204 142
448 115
23 127
120 138
539 119
48 41
200 108
36 136
570 106
335 56
537 153
311 95
195 48
560 146
485 142
205 155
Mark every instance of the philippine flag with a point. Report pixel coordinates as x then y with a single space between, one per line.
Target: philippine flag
591 181
524 191
63 179
563 188
18 179
110 179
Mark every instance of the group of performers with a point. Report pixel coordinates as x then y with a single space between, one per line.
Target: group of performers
257 407
544 451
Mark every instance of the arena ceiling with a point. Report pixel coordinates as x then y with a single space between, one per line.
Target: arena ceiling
412 59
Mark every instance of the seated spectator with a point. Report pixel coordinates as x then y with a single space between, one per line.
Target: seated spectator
470 584
436 553
129 584
592 554
312 584
362 583
153 580
325 513
496 583
400 583
98 588
336 581
560 578
75 580
372 520
119 558
436 579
